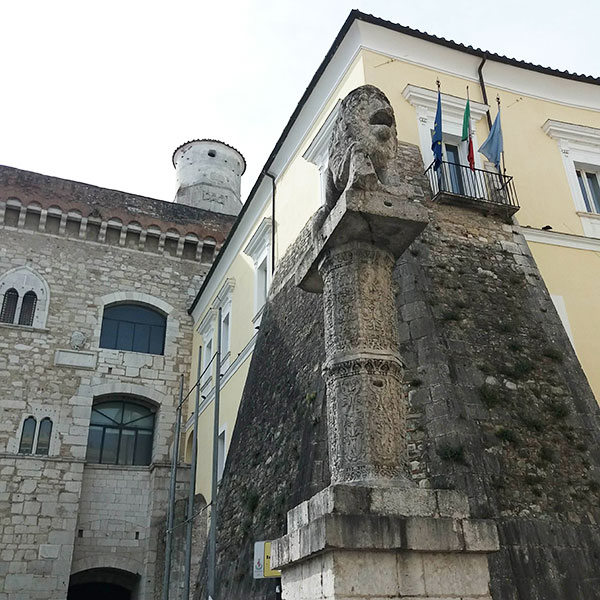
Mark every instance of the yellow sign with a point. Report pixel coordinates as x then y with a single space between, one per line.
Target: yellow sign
262 561
268 572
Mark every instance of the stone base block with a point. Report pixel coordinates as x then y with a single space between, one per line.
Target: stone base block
374 543
345 574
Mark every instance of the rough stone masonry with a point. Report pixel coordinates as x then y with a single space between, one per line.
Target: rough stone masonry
62 520
498 411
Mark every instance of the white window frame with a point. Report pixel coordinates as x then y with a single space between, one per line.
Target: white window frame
207 331
580 150
259 250
221 452
224 301
453 109
317 152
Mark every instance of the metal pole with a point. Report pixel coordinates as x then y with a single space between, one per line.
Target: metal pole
171 513
212 555
191 497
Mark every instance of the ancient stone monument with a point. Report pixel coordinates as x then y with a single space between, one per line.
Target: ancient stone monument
372 533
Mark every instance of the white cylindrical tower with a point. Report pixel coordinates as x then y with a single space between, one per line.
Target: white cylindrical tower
209 176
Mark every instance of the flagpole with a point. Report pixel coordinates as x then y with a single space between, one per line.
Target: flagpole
503 163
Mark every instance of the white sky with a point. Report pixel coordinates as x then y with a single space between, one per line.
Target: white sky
103 92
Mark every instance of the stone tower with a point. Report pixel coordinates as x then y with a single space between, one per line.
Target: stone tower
209 175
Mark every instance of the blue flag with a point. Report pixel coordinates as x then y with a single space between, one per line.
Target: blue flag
493 146
436 142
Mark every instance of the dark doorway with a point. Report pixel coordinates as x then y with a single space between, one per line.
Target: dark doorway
98 591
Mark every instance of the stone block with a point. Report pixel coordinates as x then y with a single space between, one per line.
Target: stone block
441 534
480 535
297 517
411 579
403 502
456 575
365 575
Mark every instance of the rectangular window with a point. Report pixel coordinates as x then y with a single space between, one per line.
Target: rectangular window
261 284
225 335
590 190
208 352
220 455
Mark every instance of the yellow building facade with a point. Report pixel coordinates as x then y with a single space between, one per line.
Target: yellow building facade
551 128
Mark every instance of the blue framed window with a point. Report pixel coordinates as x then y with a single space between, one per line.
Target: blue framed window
133 327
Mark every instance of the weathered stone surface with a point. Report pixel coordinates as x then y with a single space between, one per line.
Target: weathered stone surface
460 327
58 516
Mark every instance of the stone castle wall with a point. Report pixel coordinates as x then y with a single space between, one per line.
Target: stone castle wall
499 409
55 508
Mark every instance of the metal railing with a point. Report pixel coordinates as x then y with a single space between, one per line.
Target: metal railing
453 180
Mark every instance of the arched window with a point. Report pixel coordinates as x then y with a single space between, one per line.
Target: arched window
27 435
9 306
44 433
25 298
121 433
28 309
133 327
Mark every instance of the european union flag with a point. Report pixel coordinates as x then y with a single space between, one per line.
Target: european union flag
436 143
493 146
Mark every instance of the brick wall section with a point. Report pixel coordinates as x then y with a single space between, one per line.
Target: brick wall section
42 502
499 409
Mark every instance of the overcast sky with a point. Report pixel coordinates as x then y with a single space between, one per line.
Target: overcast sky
103 92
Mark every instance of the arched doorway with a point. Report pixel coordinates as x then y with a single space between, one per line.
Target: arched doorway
99 584
98 591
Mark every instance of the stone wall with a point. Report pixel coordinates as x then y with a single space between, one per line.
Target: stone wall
499 409
44 374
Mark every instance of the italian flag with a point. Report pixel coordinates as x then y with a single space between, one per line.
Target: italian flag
466 135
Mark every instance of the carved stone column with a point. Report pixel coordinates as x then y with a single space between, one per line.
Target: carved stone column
363 369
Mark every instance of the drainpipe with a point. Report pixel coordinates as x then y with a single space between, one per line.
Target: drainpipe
274 187
483 90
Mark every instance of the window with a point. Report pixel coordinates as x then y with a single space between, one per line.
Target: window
207 366
220 455
43 441
579 147
121 433
590 189
9 306
259 250
134 328
453 108
28 436
224 301
28 309
24 298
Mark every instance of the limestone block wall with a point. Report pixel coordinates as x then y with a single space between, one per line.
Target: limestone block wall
57 371
499 409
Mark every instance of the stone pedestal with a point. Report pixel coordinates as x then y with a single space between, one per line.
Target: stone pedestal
352 541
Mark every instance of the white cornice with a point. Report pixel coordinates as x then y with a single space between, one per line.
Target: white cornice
224 294
555 238
570 132
207 325
452 106
318 150
259 240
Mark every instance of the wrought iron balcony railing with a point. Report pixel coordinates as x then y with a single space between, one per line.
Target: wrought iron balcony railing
459 184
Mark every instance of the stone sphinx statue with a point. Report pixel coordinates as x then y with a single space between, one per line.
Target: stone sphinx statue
363 147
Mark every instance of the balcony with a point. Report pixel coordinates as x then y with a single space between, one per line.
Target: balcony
485 191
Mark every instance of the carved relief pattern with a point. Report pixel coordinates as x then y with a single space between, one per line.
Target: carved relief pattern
366 417
359 304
